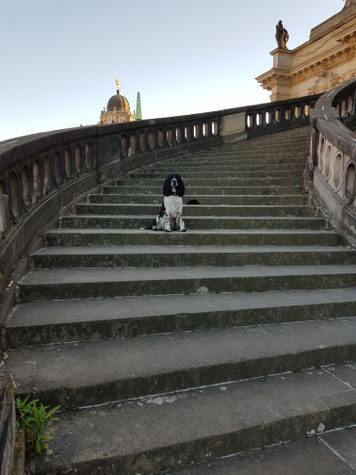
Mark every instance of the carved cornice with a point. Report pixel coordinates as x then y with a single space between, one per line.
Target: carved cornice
314 69
327 64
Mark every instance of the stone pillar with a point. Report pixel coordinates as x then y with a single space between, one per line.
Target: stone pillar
234 125
277 79
282 62
4 214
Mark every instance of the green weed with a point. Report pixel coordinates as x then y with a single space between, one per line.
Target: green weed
36 421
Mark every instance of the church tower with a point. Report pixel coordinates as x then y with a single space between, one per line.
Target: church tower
117 110
138 107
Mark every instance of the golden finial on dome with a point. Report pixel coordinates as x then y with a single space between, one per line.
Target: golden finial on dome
117 85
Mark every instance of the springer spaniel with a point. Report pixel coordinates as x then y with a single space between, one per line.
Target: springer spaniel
171 214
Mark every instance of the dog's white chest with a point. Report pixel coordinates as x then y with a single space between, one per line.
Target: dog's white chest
173 205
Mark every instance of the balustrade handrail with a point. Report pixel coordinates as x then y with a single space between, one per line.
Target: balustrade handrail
328 114
331 169
15 148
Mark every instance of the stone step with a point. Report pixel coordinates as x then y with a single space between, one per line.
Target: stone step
245 161
87 319
272 155
94 283
279 149
197 222
227 200
275 148
192 210
95 372
146 188
214 181
332 452
171 256
120 237
188 167
212 174
163 432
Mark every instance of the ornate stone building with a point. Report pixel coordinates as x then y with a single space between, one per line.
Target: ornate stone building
117 110
323 62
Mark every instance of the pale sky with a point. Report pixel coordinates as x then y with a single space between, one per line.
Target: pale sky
59 58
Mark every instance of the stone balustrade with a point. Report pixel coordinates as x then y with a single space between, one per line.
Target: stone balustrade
345 105
280 114
33 169
331 175
41 173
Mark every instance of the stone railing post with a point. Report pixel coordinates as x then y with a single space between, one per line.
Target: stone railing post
4 214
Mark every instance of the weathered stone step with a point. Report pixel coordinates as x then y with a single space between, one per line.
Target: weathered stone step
221 170
197 222
94 372
332 452
282 140
119 237
77 320
272 149
193 210
188 167
259 154
212 174
163 432
170 256
204 199
214 181
276 148
262 153
147 188
244 161
94 283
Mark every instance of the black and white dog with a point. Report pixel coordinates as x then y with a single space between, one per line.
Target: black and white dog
171 214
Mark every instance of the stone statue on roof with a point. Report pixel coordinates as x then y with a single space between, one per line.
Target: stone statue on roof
281 35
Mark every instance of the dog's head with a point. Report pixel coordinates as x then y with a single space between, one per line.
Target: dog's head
173 185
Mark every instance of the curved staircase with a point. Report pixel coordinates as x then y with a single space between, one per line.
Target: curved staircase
170 350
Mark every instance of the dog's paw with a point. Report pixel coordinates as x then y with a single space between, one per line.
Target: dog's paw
183 230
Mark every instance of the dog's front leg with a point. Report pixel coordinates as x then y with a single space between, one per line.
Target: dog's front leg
180 223
167 223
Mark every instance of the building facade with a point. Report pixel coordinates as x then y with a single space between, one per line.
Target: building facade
323 62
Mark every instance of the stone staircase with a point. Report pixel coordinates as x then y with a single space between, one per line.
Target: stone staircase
167 350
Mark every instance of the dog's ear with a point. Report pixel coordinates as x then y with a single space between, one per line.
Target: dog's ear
180 187
167 189
162 210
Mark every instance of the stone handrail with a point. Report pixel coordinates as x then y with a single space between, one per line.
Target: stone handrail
345 103
41 173
331 170
281 114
